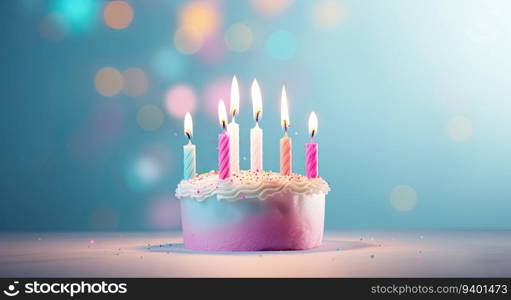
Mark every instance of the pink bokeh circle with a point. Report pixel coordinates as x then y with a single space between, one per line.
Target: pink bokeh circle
180 99
216 90
212 51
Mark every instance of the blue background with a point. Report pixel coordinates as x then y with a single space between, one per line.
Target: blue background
412 93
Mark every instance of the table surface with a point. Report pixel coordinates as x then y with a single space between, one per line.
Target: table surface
359 253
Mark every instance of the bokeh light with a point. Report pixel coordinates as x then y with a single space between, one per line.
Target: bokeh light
212 51
403 198
148 168
188 40
108 81
327 14
238 37
168 64
164 213
270 8
150 117
135 82
118 14
103 219
214 91
180 99
281 45
459 129
79 14
202 16
54 27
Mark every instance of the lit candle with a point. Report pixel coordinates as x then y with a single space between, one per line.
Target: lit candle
311 151
223 144
189 149
256 133
233 128
285 141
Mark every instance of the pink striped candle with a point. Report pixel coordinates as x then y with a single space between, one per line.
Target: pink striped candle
223 155
311 154
311 149
285 141
224 161
285 155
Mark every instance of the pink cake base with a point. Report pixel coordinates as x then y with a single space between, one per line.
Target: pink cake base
284 221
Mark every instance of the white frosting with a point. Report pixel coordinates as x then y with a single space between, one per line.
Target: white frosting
248 184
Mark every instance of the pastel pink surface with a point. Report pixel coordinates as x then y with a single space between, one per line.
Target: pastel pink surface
357 253
284 221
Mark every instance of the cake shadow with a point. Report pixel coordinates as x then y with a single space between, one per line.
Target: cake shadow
327 246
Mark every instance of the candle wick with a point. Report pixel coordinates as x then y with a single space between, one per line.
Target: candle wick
312 134
257 117
223 125
189 137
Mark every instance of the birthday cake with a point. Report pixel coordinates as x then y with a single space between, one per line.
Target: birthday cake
252 211
233 210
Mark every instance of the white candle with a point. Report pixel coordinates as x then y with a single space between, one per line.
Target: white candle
256 149
233 129
256 133
188 150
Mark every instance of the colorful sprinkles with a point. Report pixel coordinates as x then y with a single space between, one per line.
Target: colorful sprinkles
248 184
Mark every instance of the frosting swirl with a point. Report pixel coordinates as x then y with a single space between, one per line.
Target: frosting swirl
248 184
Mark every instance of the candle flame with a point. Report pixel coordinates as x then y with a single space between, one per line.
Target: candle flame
257 102
222 113
235 97
313 124
284 111
188 125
